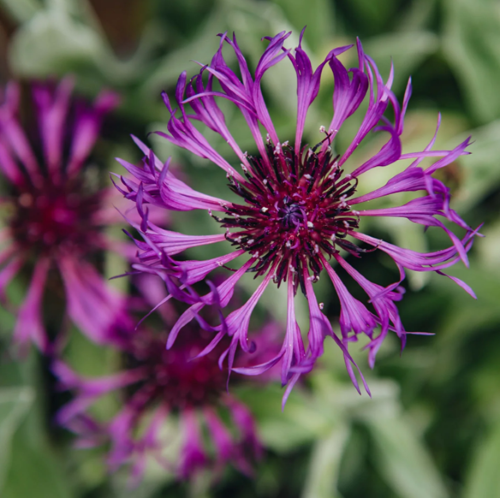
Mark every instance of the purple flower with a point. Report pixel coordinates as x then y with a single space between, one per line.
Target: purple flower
159 385
298 210
54 217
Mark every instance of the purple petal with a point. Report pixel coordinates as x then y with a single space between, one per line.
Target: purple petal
29 325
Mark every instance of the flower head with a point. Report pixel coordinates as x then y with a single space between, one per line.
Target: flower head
54 218
298 210
157 386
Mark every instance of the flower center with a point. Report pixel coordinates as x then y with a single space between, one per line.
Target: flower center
295 207
176 377
50 217
291 214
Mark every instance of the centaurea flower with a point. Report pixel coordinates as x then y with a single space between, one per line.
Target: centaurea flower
156 386
299 211
53 218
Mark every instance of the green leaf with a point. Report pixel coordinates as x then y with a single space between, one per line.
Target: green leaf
471 45
45 473
316 14
66 37
417 16
371 16
14 403
486 285
302 421
406 50
483 480
489 256
321 481
481 171
52 42
21 10
403 460
250 20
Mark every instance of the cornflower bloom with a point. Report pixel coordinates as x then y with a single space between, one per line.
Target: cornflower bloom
157 386
299 211
53 216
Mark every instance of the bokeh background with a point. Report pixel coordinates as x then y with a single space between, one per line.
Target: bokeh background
432 427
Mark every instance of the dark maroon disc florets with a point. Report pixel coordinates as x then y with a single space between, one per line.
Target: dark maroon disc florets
52 217
174 376
293 211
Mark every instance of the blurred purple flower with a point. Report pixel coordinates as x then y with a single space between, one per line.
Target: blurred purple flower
157 385
298 209
54 218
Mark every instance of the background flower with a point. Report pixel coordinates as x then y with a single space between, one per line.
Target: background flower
169 401
54 216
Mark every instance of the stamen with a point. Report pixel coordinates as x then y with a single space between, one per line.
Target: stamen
306 207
